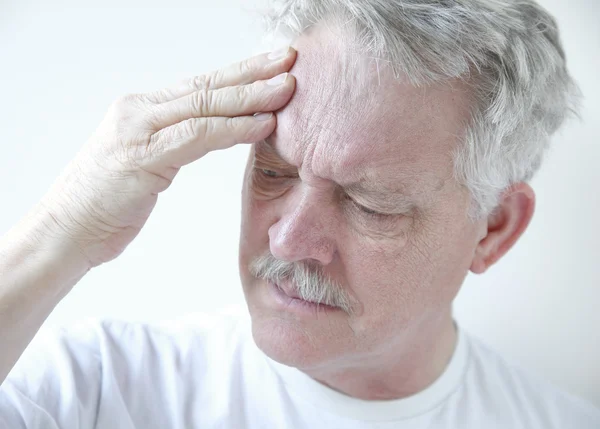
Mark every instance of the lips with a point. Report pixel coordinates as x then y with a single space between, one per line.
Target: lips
287 297
287 288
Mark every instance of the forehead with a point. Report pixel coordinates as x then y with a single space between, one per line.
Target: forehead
350 119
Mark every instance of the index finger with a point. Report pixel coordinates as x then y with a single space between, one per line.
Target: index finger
259 67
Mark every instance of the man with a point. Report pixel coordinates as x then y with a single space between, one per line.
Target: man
392 159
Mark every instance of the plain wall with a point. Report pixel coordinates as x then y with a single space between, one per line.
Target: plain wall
63 63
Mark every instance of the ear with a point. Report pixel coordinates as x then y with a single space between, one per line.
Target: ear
504 226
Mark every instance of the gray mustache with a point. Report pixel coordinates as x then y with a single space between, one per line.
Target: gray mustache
310 282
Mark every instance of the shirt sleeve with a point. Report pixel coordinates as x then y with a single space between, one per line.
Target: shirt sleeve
56 383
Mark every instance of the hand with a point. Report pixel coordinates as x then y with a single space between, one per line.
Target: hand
105 195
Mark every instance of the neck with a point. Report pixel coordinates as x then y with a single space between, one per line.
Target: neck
407 367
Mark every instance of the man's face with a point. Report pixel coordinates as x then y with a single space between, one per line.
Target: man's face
359 189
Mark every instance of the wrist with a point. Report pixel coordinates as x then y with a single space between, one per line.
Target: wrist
35 246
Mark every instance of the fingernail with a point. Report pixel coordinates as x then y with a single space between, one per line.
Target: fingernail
277 80
263 116
279 53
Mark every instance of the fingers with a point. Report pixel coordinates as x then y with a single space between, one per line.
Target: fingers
261 96
187 141
260 67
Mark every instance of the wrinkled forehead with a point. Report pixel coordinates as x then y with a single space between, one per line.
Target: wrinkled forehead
352 108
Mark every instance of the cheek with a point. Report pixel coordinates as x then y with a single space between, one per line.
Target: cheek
381 278
393 281
453 256
378 278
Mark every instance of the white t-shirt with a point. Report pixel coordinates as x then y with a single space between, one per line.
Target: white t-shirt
204 371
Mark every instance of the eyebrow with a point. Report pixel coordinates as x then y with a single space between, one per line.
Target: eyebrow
266 147
388 199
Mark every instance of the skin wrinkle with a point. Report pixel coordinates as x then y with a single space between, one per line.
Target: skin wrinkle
403 272
522 89
271 160
386 199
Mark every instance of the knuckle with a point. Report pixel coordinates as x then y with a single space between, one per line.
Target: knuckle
127 99
242 95
244 67
198 83
119 105
211 129
141 98
202 101
233 126
123 108
188 129
212 80
155 97
208 134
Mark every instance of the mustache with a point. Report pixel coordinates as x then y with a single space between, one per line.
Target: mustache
310 282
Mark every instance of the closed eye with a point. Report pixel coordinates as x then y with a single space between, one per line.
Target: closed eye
269 173
366 210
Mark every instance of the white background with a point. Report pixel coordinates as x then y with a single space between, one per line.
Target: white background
62 64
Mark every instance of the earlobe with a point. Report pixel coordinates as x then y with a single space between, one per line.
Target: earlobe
504 226
479 265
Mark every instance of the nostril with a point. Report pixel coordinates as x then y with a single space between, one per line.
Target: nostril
306 232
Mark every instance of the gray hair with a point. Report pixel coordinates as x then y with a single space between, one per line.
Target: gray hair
508 51
309 281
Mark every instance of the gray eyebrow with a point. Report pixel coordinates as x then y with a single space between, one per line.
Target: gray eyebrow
267 146
391 199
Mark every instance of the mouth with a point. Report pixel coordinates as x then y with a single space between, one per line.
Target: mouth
285 294
288 289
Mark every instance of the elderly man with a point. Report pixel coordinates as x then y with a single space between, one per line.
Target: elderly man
392 146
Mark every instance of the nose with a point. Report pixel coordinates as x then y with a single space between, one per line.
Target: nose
304 231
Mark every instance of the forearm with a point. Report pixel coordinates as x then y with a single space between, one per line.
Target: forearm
37 269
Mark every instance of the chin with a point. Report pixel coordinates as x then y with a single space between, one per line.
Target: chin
294 337
288 343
